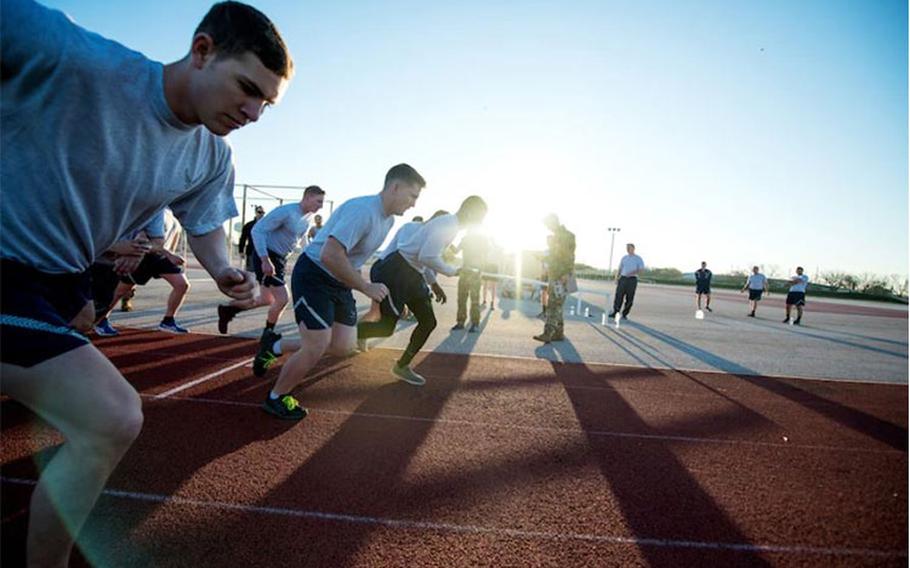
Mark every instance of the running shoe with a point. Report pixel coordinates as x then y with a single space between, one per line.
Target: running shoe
105 329
407 375
786 321
709 309
473 329
796 321
457 326
172 327
362 344
225 315
265 357
285 407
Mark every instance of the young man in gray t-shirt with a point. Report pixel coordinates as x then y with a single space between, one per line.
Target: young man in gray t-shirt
325 274
274 239
96 140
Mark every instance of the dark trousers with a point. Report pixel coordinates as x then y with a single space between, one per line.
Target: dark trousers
422 309
625 290
407 287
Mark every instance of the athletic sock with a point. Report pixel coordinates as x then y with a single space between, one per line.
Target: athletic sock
274 396
276 348
269 325
168 320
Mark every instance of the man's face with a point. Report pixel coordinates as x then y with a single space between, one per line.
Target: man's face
231 92
704 265
313 203
630 249
404 196
754 270
799 271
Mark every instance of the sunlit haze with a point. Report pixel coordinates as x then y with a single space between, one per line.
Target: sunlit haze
739 133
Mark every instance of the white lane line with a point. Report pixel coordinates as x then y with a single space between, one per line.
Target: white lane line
602 433
200 380
412 524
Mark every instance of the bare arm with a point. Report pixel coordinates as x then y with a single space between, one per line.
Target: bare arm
335 258
211 251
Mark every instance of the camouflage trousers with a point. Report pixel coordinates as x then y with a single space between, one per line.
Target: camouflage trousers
557 297
468 286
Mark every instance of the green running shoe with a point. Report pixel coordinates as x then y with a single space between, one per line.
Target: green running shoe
265 357
285 407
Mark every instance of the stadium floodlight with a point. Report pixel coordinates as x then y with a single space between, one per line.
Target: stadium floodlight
613 231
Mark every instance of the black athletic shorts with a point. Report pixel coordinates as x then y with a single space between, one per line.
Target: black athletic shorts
104 284
702 288
278 262
153 265
796 298
35 311
405 284
319 299
755 294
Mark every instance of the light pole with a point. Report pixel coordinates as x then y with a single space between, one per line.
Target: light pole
613 231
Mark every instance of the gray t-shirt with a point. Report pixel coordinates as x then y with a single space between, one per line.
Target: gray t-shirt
280 230
91 149
360 225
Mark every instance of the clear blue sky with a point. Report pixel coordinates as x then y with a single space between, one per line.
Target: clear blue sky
740 133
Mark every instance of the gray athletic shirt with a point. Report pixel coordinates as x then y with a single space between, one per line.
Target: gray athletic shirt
91 150
280 230
360 225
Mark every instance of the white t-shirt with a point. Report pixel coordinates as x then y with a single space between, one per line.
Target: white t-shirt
423 248
629 264
802 284
91 150
403 233
360 225
757 281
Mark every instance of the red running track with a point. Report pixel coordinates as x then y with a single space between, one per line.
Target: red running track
496 462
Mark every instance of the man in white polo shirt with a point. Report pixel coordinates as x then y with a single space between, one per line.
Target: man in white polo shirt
797 295
756 283
629 268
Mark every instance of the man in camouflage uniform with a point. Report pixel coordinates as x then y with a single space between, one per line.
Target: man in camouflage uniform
561 263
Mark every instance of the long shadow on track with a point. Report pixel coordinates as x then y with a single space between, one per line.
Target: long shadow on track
645 482
852 418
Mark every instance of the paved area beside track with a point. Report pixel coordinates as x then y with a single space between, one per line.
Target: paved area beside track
839 339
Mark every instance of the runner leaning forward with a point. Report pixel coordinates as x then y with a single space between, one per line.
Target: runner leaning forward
321 284
96 140
406 272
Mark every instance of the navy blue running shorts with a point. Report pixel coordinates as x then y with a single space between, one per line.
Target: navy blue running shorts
152 266
278 262
796 298
702 289
35 312
319 299
755 294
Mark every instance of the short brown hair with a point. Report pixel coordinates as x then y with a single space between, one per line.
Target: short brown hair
405 173
236 28
313 189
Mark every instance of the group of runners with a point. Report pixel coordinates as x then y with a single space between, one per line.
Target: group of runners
757 285
97 141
